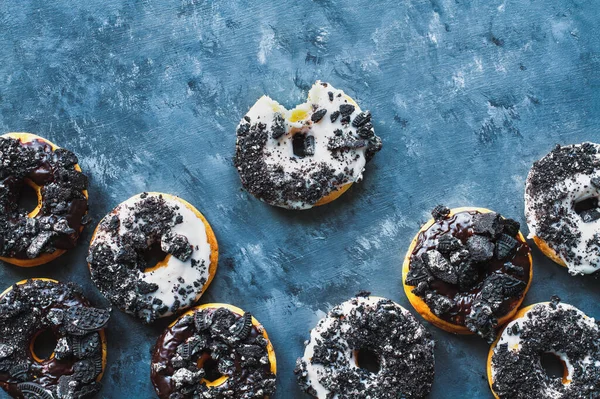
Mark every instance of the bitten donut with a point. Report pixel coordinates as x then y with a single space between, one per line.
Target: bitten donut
561 206
307 156
514 367
331 366
467 270
214 351
32 307
121 248
37 237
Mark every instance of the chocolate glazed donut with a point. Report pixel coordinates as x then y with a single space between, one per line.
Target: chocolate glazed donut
74 369
37 237
214 351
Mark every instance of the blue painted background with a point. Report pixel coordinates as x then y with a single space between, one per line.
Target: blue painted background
465 94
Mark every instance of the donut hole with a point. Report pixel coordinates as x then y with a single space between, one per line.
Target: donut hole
587 209
211 369
28 198
155 257
554 366
303 145
368 360
42 345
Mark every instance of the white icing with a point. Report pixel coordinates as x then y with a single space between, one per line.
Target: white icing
166 277
514 342
280 150
316 371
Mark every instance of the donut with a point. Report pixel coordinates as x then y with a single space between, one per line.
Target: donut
214 351
121 249
307 156
74 369
40 236
331 367
562 209
467 270
514 362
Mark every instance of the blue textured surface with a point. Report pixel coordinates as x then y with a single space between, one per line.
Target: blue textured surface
465 94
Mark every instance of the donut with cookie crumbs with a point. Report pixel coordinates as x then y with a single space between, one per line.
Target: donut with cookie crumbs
467 270
307 156
147 226
214 351
514 365
75 367
562 206
32 238
332 366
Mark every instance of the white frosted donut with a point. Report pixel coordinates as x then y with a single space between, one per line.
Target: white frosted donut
297 158
514 366
561 206
121 244
330 368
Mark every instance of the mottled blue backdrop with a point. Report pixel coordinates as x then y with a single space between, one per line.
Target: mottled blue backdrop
465 94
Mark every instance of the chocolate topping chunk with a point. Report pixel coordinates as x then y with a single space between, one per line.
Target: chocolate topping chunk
346 109
63 203
318 115
440 212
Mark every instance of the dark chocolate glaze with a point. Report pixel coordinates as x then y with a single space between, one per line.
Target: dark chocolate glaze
63 205
37 306
247 378
460 225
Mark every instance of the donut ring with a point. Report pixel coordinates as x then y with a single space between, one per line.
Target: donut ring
122 239
50 229
307 156
429 294
189 341
330 366
80 354
513 365
561 206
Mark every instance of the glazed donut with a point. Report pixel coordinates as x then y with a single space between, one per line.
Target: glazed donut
123 240
214 351
308 156
514 367
330 367
561 206
75 368
45 233
467 270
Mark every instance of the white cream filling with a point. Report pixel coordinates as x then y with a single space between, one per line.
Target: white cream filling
298 120
166 277
315 372
577 188
514 342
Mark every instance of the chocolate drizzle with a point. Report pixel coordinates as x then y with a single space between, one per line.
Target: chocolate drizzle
63 205
470 268
403 346
37 306
183 352
548 328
